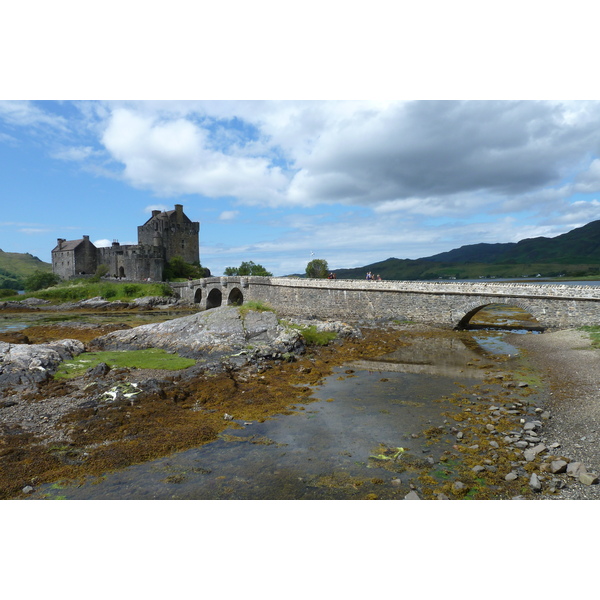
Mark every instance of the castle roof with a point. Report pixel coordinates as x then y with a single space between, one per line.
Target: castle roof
67 245
170 215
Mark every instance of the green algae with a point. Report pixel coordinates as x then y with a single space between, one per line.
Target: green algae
150 358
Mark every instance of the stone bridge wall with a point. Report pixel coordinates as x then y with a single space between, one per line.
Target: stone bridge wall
442 303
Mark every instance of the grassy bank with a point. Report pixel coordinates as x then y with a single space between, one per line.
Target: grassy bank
80 289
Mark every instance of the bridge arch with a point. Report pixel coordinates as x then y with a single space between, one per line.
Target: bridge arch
214 298
472 308
235 298
198 296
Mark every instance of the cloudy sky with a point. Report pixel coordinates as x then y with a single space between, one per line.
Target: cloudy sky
279 182
273 162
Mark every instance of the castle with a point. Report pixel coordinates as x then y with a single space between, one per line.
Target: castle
164 236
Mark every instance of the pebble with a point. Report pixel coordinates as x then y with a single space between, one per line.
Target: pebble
412 496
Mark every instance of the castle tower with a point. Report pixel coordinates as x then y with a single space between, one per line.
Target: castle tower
174 232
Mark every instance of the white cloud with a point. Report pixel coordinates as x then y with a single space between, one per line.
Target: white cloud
103 243
25 113
74 153
429 158
173 157
33 230
228 215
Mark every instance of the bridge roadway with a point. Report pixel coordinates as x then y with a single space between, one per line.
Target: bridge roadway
444 303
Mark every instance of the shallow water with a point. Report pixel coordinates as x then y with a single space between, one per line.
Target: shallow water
325 449
19 321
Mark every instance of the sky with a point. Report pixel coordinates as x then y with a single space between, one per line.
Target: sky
282 182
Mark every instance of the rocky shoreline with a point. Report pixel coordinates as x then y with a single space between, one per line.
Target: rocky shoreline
569 365
503 441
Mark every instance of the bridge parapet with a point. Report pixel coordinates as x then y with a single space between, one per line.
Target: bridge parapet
439 302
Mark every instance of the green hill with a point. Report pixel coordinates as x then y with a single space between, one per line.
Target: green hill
14 267
572 254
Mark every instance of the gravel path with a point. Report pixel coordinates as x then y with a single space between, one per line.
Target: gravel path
572 368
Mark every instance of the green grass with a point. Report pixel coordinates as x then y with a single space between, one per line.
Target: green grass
73 291
594 331
256 305
310 334
151 358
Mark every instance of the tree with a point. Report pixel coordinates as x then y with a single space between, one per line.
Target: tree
177 268
247 268
40 280
317 269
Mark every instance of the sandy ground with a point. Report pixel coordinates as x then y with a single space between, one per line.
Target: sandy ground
572 367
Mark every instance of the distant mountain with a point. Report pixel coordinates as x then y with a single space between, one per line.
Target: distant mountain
15 267
579 246
574 254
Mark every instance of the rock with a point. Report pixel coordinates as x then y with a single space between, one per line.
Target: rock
534 483
558 466
512 476
26 365
412 495
575 468
442 497
478 469
28 489
100 370
458 486
396 482
218 333
588 478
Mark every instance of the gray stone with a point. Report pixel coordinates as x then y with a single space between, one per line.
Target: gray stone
412 495
512 476
28 489
534 483
478 469
588 478
458 486
575 468
218 332
558 466
26 365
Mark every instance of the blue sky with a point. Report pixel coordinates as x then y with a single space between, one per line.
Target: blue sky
275 181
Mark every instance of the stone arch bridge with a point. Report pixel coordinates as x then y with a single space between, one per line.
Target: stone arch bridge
441 303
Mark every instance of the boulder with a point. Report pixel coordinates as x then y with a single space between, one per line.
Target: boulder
26 365
219 332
